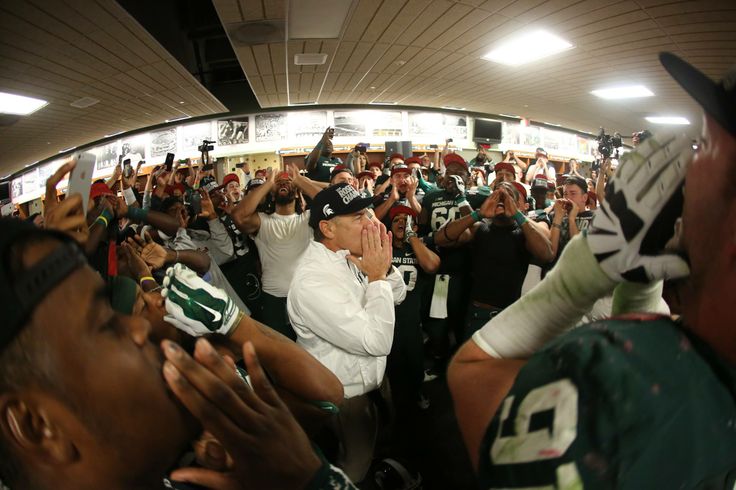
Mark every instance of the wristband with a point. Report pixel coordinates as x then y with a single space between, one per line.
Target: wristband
519 218
137 214
144 279
476 215
129 196
462 202
104 218
557 225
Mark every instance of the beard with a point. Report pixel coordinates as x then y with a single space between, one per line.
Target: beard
285 198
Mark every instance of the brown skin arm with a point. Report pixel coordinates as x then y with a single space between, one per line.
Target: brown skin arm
428 260
478 384
290 366
456 232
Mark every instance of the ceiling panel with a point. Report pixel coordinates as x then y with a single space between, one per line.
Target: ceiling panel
62 51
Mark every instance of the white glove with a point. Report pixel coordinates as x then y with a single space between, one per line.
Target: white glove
409 229
637 218
196 307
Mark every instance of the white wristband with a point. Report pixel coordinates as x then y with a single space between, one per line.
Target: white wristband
555 305
129 196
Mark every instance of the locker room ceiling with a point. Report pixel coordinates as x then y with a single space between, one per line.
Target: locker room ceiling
148 62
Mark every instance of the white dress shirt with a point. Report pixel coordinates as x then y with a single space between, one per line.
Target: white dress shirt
341 319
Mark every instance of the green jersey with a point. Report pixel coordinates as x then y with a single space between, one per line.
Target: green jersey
616 404
404 259
324 168
441 208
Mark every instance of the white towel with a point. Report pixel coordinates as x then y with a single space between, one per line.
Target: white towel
438 308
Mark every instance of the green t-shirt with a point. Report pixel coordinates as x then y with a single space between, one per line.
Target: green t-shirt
616 404
324 168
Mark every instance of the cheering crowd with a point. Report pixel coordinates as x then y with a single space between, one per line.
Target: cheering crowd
205 333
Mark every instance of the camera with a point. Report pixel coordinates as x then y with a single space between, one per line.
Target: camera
206 146
607 144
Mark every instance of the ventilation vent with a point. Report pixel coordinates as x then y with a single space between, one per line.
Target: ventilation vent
310 58
84 102
259 32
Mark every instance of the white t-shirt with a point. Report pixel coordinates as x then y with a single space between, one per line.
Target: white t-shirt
281 240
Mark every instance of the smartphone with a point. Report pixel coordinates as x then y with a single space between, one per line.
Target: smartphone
169 161
448 140
432 147
127 168
207 167
80 179
361 147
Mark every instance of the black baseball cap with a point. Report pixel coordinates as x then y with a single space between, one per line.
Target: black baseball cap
718 100
336 200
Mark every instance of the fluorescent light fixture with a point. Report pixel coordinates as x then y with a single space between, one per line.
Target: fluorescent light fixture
510 115
177 119
678 120
310 58
526 48
383 103
453 108
304 103
19 105
625 92
317 19
67 149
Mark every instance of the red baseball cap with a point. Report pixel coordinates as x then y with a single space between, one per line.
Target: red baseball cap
366 174
399 168
230 178
400 209
520 188
505 166
375 164
413 160
396 155
451 158
100 189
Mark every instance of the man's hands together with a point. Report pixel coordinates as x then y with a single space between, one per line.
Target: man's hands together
377 252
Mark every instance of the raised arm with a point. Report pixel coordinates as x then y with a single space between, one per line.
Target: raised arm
308 187
314 154
245 214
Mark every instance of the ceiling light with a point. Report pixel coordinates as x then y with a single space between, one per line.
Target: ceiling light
627 92
177 119
19 105
383 103
84 102
679 120
67 149
317 19
527 48
304 103
452 108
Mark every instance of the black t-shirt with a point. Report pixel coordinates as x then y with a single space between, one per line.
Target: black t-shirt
582 220
404 259
500 262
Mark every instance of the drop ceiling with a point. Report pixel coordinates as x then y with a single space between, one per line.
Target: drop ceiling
411 52
63 51
428 53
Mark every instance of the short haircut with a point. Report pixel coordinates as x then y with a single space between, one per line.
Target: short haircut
169 203
26 361
580 182
318 235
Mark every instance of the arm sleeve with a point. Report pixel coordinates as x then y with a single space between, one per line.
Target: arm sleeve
219 244
362 326
398 287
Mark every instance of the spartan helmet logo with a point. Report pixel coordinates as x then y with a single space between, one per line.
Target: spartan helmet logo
327 210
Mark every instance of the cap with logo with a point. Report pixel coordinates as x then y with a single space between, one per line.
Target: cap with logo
208 184
540 181
336 200
255 183
400 168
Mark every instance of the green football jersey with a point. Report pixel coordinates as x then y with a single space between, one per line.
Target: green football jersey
441 208
407 263
616 404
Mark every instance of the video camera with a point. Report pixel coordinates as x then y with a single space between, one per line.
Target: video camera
206 146
608 144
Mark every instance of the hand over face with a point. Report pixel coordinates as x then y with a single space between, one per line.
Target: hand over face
265 446
377 251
